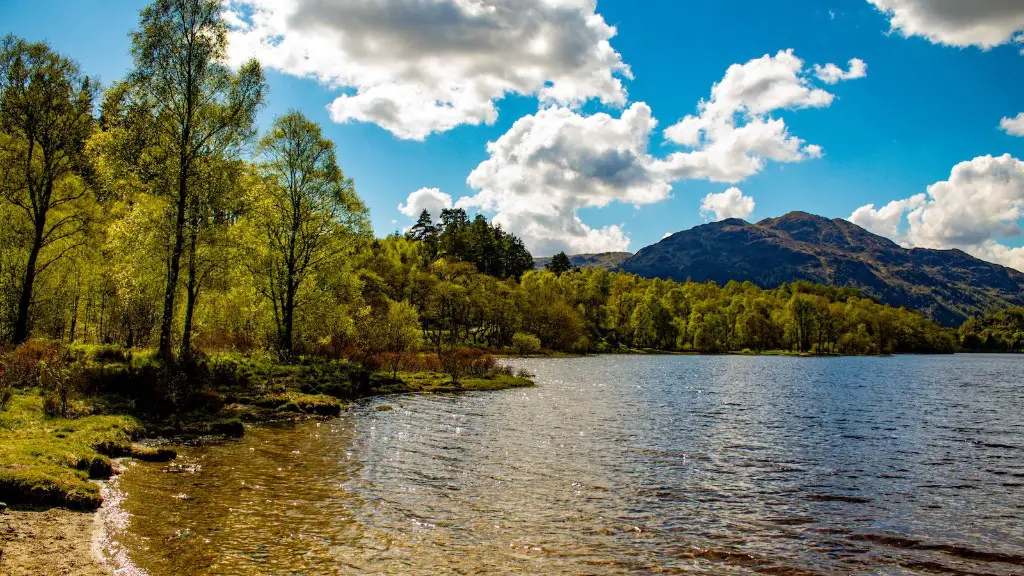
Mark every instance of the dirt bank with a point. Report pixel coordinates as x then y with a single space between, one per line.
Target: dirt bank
55 542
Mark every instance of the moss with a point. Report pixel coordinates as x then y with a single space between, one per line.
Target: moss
151 454
432 382
315 404
49 461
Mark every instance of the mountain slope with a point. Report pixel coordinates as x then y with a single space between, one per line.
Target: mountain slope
947 285
605 260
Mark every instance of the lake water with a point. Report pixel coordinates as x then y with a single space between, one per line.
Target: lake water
614 465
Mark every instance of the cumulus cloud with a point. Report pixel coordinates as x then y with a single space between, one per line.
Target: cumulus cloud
430 199
551 164
733 135
887 220
832 74
417 67
558 161
981 23
980 204
729 204
1013 126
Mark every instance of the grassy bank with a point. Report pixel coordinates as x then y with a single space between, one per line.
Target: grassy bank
48 460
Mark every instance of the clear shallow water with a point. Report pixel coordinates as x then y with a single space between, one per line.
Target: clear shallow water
615 465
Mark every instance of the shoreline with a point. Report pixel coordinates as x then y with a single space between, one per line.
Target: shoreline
54 541
60 541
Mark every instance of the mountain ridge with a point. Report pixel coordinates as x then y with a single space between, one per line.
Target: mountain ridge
947 285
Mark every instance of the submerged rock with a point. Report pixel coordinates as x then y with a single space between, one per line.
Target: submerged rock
149 454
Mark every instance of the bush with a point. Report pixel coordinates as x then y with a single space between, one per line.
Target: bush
470 362
525 343
23 367
61 379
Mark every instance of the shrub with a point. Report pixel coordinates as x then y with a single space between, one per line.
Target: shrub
470 362
61 378
23 367
525 343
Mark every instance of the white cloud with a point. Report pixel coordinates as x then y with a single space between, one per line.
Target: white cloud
981 23
733 135
832 74
552 164
1013 126
557 161
888 219
430 199
417 67
980 204
666 235
729 204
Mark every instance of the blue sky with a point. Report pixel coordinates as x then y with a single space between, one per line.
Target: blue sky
933 97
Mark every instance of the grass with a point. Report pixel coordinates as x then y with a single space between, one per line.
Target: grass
432 383
49 461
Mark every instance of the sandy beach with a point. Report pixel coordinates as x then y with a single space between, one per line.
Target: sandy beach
54 542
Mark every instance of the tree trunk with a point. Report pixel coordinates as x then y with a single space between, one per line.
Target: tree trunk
173 267
25 301
287 319
191 294
74 308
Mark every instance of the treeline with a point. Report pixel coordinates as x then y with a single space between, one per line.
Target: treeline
152 214
1001 331
596 310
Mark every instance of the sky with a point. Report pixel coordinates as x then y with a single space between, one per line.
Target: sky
597 126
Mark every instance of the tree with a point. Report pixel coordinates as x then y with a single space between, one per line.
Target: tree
559 264
185 104
45 120
402 333
307 211
801 310
525 344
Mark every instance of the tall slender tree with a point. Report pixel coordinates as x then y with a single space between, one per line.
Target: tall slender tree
45 120
198 108
308 213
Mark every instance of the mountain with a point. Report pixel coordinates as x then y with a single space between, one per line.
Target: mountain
947 285
606 260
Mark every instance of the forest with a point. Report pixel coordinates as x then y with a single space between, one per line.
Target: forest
152 214
1001 331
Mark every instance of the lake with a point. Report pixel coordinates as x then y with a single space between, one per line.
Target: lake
613 465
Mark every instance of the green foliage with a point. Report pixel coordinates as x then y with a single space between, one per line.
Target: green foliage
493 251
45 121
559 264
1001 331
306 211
525 344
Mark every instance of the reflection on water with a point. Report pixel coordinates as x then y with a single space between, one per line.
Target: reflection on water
617 465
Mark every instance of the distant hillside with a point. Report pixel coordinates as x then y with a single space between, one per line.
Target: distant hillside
605 260
947 285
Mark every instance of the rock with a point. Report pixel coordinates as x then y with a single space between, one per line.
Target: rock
148 454
100 468
233 428
3 507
